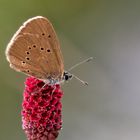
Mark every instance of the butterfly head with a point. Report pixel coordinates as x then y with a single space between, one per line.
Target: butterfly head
53 81
67 76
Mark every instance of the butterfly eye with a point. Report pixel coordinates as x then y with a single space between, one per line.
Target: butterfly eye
28 71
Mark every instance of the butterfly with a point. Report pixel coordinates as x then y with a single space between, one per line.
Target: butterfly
35 50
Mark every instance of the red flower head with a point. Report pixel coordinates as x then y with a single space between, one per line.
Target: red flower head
41 113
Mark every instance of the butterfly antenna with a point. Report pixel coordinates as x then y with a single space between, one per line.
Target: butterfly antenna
83 82
86 60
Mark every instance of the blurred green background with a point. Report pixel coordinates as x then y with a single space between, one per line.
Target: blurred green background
109 108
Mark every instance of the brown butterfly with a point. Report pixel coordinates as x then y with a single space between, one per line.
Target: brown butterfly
35 50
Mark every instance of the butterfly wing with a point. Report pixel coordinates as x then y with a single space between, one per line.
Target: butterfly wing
35 50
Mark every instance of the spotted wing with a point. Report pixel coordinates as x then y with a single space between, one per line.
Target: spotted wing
35 50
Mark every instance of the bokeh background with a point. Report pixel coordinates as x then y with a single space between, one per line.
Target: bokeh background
109 108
